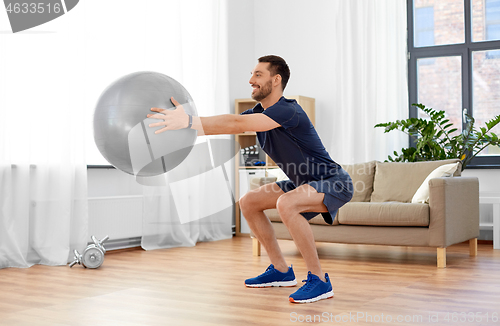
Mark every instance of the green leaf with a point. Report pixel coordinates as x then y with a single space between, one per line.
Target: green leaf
493 122
433 140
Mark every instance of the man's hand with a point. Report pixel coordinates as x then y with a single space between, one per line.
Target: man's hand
172 119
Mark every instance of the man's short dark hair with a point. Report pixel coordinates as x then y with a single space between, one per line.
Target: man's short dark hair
277 65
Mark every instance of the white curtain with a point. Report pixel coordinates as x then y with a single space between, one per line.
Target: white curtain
370 70
195 203
43 176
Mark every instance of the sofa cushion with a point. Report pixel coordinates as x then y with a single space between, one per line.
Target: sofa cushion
362 175
384 214
273 216
395 181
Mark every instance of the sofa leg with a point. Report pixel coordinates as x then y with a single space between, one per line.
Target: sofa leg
473 247
441 257
255 247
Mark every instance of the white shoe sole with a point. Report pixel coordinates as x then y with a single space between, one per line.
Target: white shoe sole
326 295
271 284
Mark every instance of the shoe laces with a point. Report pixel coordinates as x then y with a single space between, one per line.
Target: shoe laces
310 282
270 269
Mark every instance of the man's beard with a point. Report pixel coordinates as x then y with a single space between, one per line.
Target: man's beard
263 92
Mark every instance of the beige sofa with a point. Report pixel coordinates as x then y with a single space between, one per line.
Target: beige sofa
381 212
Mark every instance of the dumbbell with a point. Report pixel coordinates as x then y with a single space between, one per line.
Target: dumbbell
92 256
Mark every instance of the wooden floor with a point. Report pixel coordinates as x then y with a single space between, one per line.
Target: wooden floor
203 285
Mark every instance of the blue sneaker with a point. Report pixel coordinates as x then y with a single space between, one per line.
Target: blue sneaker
314 290
272 277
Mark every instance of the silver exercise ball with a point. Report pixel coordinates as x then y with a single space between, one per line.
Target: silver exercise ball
121 128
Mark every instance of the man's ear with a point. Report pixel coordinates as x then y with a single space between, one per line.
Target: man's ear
277 80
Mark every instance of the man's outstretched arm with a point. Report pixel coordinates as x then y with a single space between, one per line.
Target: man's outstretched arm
215 125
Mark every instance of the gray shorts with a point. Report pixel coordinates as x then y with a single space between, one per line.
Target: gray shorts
338 192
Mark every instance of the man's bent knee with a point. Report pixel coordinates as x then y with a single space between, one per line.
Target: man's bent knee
286 206
249 203
244 203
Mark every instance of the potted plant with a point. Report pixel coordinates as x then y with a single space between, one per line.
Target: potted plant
434 140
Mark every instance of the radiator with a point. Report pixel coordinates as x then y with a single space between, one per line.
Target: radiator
120 217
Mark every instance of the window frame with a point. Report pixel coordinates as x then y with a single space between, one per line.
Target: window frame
464 50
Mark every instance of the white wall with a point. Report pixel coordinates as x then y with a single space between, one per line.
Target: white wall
241 48
298 31
489 181
111 182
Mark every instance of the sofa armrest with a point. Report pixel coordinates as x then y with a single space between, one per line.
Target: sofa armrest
454 210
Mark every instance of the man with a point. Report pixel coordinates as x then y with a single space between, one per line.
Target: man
316 183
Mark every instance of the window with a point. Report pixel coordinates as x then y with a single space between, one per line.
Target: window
492 23
492 20
424 26
454 62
